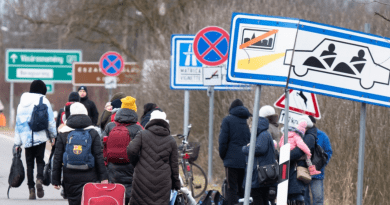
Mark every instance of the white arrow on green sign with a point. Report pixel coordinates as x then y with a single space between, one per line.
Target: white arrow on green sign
24 65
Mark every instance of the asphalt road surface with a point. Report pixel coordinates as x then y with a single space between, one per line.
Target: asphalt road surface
19 196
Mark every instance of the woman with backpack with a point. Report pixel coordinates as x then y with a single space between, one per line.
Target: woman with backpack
264 155
79 144
157 171
116 137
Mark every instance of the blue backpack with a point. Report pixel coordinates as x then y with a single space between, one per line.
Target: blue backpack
78 153
40 117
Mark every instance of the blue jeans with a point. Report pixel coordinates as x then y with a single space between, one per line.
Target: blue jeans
317 190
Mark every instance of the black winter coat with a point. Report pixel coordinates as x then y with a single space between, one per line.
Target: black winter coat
74 180
58 120
296 186
233 136
91 108
123 173
157 171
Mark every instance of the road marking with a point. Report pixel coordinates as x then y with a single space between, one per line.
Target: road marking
258 38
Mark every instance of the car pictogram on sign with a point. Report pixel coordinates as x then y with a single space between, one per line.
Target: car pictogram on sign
358 63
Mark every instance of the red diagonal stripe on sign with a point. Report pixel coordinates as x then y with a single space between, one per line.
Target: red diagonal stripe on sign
212 46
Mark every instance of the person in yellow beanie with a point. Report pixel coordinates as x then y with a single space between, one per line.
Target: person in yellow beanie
129 103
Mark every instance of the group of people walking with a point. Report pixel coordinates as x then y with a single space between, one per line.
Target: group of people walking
234 142
145 160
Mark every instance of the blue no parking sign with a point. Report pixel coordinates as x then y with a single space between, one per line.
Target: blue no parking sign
211 46
111 63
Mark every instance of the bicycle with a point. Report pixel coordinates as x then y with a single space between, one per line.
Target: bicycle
192 174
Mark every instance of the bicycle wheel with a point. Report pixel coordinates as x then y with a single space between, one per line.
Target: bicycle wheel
199 181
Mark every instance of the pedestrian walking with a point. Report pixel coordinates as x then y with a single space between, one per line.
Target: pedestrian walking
121 171
89 104
316 185
296 188
148 109
268 112
105 117
264 155
79 154
234 134
157 171
73 97
34 142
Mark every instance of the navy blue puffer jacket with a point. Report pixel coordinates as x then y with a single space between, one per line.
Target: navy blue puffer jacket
264 151
234 134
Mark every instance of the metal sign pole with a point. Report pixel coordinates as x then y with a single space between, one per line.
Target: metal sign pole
362 139
11 106
286 110
186 111
110 95
249 170
210 93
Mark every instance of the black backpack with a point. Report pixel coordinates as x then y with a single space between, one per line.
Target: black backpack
212 197
319 156
47 174
40 117
16 175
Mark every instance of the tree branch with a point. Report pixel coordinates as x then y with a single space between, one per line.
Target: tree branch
378 14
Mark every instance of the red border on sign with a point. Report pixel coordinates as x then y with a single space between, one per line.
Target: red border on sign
316 114
212 45
104 56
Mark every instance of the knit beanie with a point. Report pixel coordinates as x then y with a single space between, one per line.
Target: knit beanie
116 103
78 109
236 103
308 121
266 111
83 88
302 126
129 103
74 97
39 87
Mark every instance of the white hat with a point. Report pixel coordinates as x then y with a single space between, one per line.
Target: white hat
158 115
266 111
78 109
308 121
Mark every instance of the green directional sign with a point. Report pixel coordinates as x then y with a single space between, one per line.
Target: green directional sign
24 65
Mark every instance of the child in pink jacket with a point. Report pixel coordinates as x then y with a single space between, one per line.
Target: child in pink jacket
295 139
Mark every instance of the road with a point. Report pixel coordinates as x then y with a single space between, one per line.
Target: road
19 196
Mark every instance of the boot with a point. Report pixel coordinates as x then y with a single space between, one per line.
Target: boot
39 185
313 171
32 194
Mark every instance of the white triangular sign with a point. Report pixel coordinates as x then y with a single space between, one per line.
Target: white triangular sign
301 102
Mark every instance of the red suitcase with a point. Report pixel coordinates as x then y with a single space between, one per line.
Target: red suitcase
103 194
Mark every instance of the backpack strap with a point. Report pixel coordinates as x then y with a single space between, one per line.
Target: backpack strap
41 100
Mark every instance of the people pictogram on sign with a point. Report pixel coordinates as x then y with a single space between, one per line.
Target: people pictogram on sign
358 60
329 55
